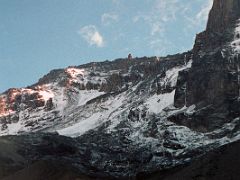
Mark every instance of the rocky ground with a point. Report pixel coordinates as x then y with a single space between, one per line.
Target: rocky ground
219 164
47 157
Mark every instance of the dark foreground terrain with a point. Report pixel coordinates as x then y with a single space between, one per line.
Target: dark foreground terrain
220 164
55 161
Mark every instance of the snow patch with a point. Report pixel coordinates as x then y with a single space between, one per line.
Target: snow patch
79 128
60 101
236 42
96 115
46 95
85 96
74 72
14 128
172 74
157 103
190 110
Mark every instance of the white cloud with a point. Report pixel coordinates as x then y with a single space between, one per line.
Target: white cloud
115 1
91 35
107 18
167 14
156 28
135 19
167 9
163 11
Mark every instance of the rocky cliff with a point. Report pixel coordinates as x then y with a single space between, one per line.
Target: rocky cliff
212 84
219 164
223 19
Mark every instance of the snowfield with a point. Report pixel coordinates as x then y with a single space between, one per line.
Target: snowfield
113 108
236 42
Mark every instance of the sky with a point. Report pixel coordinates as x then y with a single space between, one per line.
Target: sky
37 36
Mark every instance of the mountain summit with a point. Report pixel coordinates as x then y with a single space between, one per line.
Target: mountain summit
131 116
212 84
223 15
223 19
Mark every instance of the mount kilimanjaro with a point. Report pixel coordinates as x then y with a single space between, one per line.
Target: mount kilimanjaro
140 118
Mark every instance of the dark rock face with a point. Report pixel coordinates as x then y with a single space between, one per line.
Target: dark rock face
222 19
40 157
223 15
47 170
181 90
74 157
212 84
52 76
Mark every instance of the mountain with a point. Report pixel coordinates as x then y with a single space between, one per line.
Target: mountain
92 93
125 118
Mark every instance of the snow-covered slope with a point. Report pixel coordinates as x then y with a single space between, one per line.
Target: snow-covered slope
236 43
115 108
77 99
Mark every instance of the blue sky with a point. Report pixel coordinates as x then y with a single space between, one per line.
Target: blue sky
37 36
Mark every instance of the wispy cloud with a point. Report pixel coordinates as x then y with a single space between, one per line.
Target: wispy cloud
155 25
91 35
202 15
166 13
115 1
108 18
166 9
162 13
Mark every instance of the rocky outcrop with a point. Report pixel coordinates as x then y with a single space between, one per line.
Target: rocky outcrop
220 164
212 84
223 15
47 170
24 158
221 22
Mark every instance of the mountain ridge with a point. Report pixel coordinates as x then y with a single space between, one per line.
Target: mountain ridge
127 117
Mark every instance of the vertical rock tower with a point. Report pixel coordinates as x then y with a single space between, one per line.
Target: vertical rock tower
213 82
